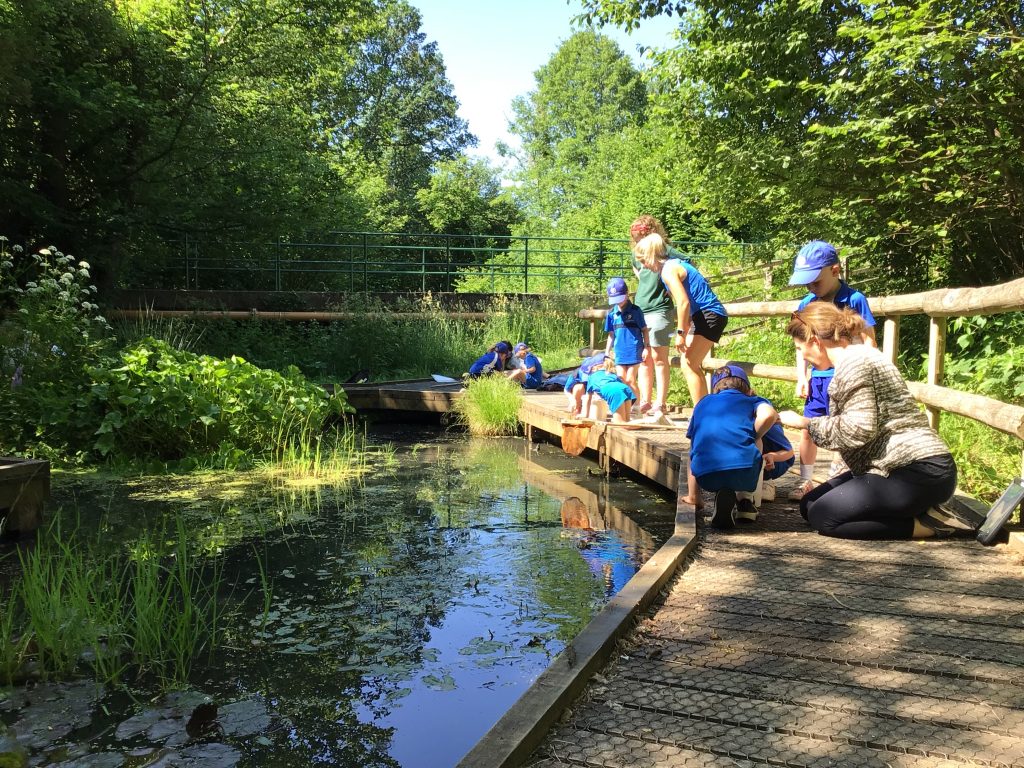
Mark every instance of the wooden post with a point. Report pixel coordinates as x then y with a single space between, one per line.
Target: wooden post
891 338
936 358
593 334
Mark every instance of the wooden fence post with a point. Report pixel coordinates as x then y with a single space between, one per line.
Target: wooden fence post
891 338
936 359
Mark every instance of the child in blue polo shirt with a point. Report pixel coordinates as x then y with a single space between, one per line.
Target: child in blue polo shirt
735 438
493 361
628 336
576 385
817 267
613 390
528 370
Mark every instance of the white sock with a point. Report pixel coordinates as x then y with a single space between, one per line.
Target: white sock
806 471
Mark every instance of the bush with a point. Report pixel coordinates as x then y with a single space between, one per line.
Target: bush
490 406
169 404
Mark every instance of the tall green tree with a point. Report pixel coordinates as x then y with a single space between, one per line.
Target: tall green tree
893 126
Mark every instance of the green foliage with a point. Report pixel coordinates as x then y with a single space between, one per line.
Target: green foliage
52 333
171 404
490 406
891 129
154 611
987 356
985 458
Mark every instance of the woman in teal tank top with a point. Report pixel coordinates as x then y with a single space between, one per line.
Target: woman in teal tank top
697 309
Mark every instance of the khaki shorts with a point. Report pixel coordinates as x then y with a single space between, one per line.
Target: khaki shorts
660 328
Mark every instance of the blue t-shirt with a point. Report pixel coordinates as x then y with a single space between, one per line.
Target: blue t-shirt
698 290
722 434
487 363
582 374
533 380
626 322
845 297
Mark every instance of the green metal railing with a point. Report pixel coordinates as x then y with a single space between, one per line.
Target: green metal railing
391 261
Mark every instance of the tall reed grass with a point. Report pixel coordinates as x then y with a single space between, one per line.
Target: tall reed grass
490 406
75 608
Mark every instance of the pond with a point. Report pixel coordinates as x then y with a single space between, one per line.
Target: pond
397 619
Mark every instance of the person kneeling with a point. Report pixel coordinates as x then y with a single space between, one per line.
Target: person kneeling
614 391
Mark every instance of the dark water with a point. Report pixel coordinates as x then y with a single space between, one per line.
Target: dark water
407 613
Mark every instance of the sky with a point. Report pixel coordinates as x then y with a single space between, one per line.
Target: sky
491 49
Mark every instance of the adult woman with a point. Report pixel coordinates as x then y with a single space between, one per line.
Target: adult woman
899 467
697 306
655 301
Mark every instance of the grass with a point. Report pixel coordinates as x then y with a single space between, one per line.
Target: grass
75 608
490 406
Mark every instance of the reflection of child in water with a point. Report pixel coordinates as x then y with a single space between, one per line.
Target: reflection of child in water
603 551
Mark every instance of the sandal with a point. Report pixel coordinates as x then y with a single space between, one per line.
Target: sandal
801 490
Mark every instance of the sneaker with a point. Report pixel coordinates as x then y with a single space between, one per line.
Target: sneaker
768 491
657 411
952 518
725 510
798 493
746 512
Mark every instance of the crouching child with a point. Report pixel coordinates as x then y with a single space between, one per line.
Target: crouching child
731 450
613 390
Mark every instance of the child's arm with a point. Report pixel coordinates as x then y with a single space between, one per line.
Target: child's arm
647 341
693 492
764 418
608 344
674 282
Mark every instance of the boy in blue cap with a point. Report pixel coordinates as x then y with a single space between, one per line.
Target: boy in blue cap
817 267
628 337
493 361
735 442
528 370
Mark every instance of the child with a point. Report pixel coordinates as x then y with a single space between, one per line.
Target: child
491 362
817 267
727 435
613 390
697 309
627 333
528 370
576 385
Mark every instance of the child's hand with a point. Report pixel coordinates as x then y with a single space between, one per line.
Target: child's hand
801 390
769 462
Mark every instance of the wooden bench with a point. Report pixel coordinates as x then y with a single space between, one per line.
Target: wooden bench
24 488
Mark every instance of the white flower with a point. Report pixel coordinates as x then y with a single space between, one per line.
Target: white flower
84 265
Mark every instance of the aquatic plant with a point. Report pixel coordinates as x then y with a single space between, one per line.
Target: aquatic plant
74 607
490 406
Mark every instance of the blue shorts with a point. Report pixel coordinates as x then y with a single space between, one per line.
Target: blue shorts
732 479
781 468
817 394
572 381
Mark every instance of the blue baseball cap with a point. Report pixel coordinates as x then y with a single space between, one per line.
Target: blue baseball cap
520 347
733 370
813 257
502 347
617 290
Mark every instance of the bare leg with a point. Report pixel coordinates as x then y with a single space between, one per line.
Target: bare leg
628 374
645 379
519 374
661 375
695 354
621 416
693 492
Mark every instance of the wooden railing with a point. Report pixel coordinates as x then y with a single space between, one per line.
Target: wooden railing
938 305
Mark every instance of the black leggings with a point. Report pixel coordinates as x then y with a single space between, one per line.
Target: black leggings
870 506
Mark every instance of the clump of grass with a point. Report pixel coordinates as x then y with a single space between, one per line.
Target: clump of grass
74 608
490 406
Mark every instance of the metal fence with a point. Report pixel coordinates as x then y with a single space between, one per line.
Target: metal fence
391 261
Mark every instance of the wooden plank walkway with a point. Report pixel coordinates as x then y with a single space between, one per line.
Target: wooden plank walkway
776 646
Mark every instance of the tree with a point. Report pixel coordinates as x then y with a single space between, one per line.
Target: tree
465 197
893 127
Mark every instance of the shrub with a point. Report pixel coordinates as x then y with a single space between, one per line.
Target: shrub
490 406
169 404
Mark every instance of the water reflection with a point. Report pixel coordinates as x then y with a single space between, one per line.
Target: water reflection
408 613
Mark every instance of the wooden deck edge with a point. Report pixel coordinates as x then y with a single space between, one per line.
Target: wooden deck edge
522 728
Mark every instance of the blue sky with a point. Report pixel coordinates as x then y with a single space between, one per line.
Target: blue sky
491 49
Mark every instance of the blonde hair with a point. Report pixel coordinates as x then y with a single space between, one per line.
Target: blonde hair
651 250
826 321
645 225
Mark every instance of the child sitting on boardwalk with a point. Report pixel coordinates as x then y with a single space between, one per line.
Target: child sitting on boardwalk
493 361
527 369
730 448
576 385
628 337
614 391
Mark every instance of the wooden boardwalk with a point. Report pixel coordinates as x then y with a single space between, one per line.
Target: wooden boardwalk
776 646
